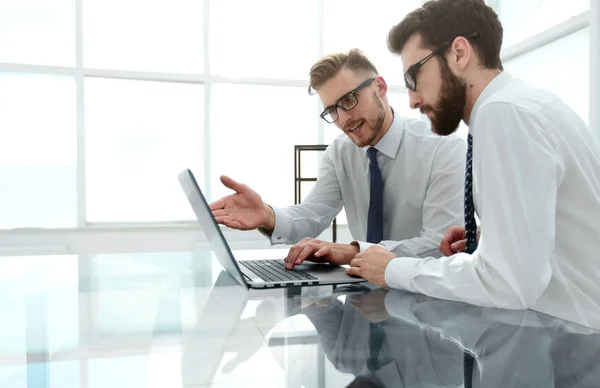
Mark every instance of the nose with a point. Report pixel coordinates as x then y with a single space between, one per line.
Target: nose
414 100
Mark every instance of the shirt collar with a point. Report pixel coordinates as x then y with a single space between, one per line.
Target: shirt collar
390 142
496 84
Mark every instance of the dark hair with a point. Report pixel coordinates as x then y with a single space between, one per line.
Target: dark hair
441 21
328 66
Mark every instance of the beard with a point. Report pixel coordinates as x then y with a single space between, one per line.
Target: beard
450 105
372 126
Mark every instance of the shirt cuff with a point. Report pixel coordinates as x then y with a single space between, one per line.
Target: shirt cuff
283 227
400 271
362 245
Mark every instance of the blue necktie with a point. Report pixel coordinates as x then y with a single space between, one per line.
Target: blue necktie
375 219
470 224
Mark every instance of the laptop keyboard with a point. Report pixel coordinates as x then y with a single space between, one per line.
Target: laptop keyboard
274 271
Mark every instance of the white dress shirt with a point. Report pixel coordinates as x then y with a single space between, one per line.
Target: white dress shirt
536 185
423 178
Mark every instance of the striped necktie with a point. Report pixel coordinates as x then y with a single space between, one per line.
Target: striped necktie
470 224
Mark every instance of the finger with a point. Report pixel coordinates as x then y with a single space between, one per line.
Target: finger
453 234
220 213
293 254
230 223
218 204
353 271
326 250
459 246
459 232
296 249
286 260
445 247
356 262
231 184
449 236
308 250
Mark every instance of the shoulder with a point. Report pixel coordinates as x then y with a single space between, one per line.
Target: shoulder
339 149
514 103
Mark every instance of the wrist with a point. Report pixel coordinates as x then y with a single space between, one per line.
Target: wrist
269 223
354 249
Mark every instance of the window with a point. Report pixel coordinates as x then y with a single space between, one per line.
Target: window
400 103
254 142
525 18
38 151
16 374
38 32
160 36
130 115
263 38
139 136
550 68
365 25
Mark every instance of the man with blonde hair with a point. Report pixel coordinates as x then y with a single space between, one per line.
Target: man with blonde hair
400 185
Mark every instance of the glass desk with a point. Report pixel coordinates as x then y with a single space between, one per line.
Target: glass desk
177 320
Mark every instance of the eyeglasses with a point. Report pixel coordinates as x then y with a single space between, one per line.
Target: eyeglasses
410 77
347 102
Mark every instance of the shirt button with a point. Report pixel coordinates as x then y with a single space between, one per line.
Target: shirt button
279 238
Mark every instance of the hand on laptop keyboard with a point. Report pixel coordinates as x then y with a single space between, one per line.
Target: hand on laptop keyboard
320 251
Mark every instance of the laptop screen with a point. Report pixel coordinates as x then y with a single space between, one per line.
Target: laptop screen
209 225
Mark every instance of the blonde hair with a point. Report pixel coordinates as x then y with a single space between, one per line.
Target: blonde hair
328 66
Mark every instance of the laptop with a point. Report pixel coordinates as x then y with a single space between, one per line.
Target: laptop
257 274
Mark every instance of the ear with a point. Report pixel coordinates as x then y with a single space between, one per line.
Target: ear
381 86
461 52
